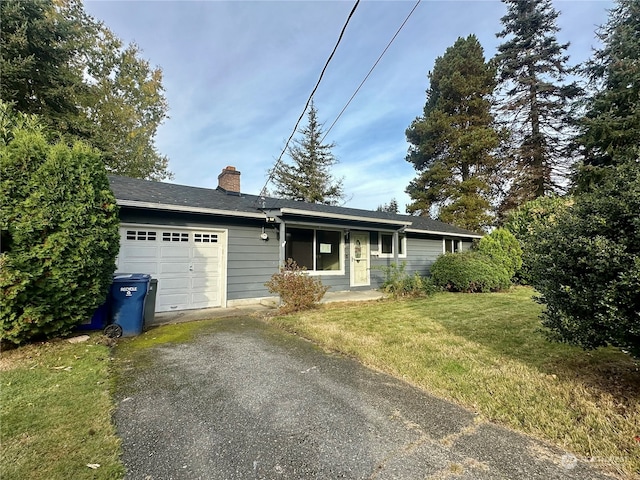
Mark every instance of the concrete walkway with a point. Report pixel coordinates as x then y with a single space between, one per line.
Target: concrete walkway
206 313
245 400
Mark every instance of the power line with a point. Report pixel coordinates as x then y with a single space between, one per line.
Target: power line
372 68
295 128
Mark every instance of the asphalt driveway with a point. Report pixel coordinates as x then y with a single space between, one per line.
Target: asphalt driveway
246 400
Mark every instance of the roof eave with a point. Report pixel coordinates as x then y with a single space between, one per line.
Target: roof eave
187 209
435 232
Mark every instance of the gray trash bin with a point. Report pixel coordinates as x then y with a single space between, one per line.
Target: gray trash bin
150 302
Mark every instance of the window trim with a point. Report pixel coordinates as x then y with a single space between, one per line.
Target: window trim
402 242
455 241
314 273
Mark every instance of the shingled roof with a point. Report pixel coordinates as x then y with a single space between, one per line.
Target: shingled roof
169 196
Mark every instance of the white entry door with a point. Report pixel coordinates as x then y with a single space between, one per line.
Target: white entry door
189 264
360 272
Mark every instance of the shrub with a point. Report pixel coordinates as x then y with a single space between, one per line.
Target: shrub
60 232
469 272
503 248
297 290
529 219
398 283
586 265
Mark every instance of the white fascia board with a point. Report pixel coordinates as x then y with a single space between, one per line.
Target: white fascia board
339 216
446 234
186 209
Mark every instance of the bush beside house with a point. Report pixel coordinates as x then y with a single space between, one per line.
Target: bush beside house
60 238
488 268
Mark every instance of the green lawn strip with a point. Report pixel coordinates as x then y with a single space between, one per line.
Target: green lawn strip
55 412
485 351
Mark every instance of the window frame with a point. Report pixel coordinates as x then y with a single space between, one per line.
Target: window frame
314 246
402 244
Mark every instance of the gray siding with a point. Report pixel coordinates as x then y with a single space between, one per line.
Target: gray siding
251 262
422 251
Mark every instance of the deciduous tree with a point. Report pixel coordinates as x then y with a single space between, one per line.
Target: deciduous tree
61 64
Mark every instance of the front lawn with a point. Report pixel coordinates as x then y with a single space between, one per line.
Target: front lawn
485 352
55 412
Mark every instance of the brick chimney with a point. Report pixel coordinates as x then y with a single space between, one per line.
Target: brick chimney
229 180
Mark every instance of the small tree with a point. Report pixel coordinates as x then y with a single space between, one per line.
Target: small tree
60 236
586 265
308 178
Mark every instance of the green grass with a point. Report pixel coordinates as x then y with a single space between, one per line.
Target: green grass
55 412
485 351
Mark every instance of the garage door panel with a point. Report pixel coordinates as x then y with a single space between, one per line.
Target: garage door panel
139 267
173 283
168 302
200 283
179 252
147 251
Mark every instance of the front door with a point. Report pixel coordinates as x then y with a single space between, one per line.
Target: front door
360 259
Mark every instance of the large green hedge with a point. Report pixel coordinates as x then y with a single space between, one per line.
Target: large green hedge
59 222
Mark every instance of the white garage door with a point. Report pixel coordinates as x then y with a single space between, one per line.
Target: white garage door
188 263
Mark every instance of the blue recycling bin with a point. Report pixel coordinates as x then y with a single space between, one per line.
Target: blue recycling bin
98 320
128 293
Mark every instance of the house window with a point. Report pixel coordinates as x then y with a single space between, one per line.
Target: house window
386 245
317 250
451 246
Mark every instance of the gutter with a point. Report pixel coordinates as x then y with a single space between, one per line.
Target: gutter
339 216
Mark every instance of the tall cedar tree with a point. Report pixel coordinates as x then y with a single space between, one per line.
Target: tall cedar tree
610 131
61 64
453 143
532 67
308 178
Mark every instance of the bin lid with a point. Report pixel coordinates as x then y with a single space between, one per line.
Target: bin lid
131 277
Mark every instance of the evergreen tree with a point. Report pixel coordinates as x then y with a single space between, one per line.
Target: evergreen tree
453 143
610 131
308 178
61 64
391 207
532 67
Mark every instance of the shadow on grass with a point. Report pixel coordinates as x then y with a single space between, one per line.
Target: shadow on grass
509 325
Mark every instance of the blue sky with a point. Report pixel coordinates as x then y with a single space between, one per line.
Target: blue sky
237 76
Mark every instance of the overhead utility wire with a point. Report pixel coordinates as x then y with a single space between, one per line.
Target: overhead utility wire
295 128
367 76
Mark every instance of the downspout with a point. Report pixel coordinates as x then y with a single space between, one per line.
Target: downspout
283 242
